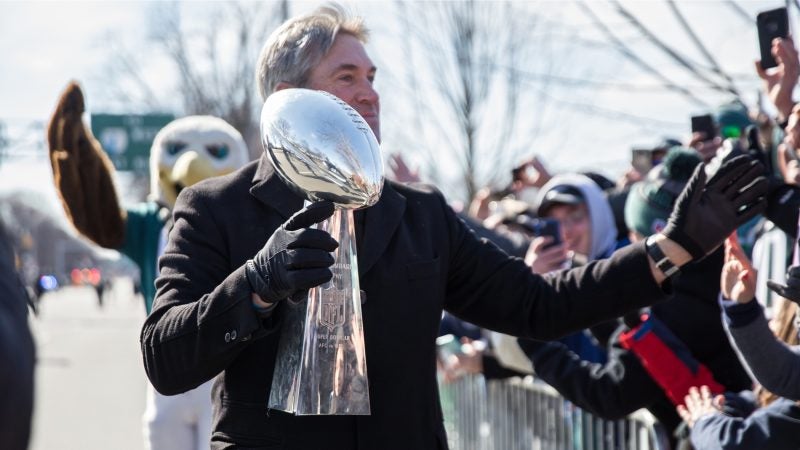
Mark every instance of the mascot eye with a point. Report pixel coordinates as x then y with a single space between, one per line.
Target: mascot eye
217 151
173 148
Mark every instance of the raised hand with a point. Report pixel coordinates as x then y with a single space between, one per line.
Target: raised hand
400 170
707 212
780 82
738 277
542 258
698 404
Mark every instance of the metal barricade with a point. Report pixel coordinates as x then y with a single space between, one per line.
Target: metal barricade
527 414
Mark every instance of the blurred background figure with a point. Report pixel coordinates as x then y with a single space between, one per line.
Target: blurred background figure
16 353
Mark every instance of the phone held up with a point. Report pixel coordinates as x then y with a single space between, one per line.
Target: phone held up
542 226
771 24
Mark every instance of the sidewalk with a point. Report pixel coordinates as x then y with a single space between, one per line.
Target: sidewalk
90 381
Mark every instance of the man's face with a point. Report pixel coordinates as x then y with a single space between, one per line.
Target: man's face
347 72
576 226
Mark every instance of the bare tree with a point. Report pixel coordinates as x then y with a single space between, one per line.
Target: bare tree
464 89
213 62
711 76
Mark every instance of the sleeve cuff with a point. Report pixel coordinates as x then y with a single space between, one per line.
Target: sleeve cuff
738 315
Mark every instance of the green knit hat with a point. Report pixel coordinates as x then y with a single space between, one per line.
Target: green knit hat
732 119
650 201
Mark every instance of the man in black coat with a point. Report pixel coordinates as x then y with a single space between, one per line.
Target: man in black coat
239 247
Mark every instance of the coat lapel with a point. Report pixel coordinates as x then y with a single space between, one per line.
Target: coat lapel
271 191
381 221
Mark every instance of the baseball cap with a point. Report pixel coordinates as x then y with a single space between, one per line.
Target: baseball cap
562 194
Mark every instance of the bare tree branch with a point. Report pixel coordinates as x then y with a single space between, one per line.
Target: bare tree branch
672 53
627 52
213 60
740 11
700 46
465 48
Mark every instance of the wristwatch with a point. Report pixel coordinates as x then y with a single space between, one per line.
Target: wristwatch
662 262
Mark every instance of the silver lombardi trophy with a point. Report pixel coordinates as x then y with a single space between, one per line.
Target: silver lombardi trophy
324 150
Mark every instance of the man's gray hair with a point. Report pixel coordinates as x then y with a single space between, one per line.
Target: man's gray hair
297 46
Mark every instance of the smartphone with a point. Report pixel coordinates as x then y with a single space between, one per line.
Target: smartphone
704 124
542 226
642 160
771 24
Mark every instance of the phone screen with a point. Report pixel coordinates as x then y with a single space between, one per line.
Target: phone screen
542 226
771 24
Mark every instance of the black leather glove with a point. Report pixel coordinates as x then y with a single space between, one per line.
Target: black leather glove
707 212
790 290
295 257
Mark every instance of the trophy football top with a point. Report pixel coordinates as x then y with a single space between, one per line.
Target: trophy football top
322 148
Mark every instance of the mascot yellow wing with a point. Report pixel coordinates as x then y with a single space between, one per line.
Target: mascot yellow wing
83 173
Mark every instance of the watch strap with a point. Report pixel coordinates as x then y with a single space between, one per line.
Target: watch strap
662 262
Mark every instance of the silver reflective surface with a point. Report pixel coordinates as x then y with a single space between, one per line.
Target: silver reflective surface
321 366
322 148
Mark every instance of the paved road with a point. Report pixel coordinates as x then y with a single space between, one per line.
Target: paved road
90 382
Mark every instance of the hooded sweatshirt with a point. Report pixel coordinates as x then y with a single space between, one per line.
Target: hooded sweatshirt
603 227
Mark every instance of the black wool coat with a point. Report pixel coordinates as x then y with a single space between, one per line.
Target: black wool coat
416 258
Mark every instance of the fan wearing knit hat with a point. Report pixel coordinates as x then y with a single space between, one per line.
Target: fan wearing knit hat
650 201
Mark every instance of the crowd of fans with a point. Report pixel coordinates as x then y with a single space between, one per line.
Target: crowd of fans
717 367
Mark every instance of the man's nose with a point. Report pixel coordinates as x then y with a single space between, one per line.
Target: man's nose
367 93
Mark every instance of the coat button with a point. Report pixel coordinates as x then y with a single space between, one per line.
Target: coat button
227 337
233 335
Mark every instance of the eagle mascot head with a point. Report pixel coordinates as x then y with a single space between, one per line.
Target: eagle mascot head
191 149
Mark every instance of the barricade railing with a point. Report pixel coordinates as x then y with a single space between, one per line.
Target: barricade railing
527 414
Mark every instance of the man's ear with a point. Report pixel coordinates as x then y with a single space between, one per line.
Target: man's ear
283 85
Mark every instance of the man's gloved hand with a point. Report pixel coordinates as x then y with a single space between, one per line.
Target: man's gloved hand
295 257
707 212
790 290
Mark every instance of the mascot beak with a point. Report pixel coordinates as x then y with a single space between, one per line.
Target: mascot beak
189 169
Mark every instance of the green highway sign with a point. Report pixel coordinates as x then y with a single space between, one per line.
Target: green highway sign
127 138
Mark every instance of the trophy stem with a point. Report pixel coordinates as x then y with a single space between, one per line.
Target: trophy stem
321 364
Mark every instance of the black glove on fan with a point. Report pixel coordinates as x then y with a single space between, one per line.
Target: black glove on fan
295 257
790 290
707 212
